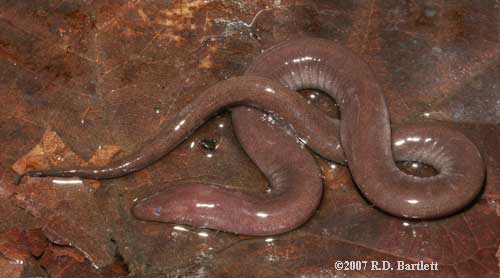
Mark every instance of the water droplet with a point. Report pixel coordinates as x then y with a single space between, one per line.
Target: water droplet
203 234
180 228
301 141
157 211
209 144
314 95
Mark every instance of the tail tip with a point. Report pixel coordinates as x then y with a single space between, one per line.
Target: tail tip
19 178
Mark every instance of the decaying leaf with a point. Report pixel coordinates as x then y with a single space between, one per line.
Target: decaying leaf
113 71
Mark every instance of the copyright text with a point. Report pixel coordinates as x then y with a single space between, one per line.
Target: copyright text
386 266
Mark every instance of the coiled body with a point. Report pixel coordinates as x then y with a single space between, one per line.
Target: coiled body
362 138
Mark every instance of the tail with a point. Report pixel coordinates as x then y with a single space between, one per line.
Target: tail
29 174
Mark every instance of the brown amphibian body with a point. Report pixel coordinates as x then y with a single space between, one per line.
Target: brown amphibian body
362 139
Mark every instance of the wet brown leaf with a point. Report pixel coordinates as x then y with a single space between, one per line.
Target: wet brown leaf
49 153
80 75
14 245
69 214
18 252
9 268
64 262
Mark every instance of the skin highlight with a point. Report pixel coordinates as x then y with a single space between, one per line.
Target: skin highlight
362 139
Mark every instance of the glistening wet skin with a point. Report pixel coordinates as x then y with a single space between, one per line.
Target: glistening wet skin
362 139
